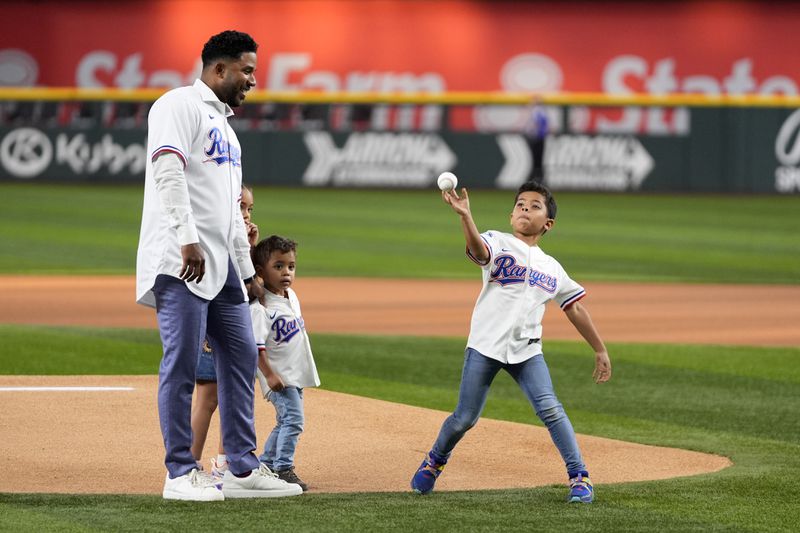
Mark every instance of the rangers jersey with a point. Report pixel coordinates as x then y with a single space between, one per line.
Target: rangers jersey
518 280
200 205
279 329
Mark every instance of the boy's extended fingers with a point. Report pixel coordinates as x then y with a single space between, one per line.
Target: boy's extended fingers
449 197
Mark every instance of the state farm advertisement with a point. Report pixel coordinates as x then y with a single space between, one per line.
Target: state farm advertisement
659 47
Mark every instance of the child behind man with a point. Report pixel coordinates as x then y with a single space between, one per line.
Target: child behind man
285 362
205 401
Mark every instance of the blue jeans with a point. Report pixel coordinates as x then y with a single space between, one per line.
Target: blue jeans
206 371
533 378
184 320
282 442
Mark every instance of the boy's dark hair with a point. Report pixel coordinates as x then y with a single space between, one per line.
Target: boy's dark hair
229 44
535 186
273 243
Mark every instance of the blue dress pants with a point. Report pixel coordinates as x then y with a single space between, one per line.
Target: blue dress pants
184 320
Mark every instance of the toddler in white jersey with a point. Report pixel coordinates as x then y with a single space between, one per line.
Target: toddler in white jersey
506 330
285 362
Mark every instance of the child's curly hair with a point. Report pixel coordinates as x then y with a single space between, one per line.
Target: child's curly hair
273 243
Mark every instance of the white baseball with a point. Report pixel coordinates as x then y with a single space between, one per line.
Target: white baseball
447 181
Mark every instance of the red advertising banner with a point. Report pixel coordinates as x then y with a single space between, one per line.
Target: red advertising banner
420 46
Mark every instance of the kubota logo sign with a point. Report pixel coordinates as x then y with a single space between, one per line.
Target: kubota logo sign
28 152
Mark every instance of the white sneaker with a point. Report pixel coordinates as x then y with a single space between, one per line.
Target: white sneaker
261 483
218 470
195 486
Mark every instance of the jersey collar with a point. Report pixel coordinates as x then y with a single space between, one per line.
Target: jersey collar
271 296
208 96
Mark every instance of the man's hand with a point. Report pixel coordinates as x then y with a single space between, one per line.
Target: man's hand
602 367
255 290
194 263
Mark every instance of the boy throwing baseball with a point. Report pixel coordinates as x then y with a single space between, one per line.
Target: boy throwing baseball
505 333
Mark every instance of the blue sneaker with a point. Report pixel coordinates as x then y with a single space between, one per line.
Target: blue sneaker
580 489
428 471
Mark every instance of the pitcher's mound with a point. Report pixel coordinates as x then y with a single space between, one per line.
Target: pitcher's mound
96 441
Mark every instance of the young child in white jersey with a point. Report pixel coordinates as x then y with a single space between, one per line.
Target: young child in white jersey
285 362
205 400
506 331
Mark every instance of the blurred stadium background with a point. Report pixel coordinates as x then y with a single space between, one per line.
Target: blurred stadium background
663 97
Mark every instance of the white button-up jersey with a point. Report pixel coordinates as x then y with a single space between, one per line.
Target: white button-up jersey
198 205
518 280
279 329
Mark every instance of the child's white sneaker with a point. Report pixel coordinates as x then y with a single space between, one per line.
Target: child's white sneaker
195 486
261 483
218 470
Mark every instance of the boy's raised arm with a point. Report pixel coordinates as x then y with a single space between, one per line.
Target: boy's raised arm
460 204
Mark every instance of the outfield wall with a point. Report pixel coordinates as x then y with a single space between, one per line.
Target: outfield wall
703 149
709 48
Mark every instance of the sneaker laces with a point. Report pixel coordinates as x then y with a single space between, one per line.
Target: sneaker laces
202 479
263 470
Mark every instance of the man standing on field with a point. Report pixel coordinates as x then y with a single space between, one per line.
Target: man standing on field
193 255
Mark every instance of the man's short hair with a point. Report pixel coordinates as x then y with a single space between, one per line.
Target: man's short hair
229 44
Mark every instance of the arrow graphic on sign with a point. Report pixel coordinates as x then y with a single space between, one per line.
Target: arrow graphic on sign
517 166
640 163
577 161
377 159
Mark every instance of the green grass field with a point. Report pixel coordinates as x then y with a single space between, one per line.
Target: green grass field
741 402
742 239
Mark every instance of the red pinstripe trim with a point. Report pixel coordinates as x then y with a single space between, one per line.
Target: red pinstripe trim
169 149
574 299
488 249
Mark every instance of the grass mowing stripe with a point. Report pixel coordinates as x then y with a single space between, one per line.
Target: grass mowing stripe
674 505
345 232
49 350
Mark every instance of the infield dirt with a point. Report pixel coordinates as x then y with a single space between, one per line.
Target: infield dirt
53 431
